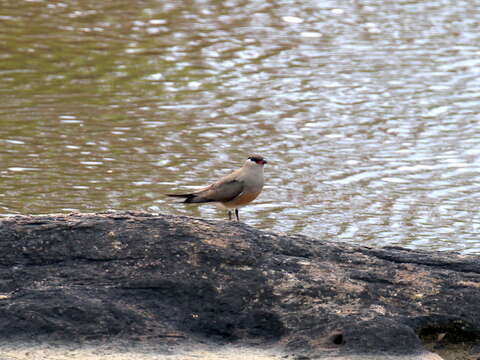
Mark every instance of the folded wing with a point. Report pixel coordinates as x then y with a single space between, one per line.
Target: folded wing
221 191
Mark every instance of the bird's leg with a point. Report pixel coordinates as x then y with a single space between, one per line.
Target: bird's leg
229 215
236 214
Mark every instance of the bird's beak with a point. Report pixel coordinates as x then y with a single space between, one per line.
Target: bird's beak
263 162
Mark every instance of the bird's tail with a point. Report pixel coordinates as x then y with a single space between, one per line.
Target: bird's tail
190 198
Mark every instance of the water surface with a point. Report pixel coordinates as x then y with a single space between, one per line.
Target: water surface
368 112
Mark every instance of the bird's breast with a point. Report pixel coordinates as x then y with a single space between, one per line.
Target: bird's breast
243 199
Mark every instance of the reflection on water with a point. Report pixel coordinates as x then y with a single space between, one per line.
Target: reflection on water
367 111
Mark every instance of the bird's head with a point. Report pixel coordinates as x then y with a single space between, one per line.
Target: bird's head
255 160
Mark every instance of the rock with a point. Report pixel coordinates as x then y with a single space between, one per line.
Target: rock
173 279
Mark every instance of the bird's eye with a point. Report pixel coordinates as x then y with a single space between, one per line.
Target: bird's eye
256 159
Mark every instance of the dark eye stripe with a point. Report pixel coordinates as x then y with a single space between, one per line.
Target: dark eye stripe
256 159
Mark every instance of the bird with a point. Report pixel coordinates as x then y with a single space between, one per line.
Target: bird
234 190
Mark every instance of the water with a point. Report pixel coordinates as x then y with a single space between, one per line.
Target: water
368 112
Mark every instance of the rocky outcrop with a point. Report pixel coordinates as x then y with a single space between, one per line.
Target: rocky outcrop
172 279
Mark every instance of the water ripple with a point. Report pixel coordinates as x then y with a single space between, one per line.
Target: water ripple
366 111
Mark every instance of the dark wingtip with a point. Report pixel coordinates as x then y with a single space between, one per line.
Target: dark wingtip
188 197
178 195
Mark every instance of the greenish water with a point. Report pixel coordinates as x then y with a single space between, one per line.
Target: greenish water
368 112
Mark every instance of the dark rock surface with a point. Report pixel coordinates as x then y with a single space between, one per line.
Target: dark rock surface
173 279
